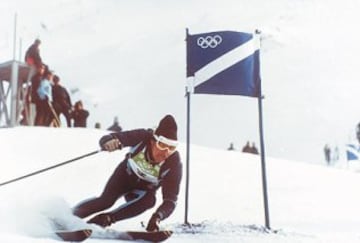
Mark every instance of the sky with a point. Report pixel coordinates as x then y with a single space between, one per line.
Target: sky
127 59
308 203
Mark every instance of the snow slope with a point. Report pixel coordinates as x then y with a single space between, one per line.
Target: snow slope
308 203
116 51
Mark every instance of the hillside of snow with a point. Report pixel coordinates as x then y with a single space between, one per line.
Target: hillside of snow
307 203
127 59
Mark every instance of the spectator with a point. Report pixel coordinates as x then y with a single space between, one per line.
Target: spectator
97 125
62 101
115 127
358 132
247 148
35 82
336 154
327 152
231 147
31 95
253 149
79 115
32 55
45 114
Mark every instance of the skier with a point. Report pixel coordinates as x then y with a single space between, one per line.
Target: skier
152 162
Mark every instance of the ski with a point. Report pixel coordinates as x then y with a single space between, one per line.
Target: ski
110 234
74 235
157 236
65 232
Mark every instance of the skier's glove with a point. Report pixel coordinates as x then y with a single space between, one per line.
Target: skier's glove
103 220
110 143
153 224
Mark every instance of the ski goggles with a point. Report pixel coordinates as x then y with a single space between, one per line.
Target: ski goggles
163 143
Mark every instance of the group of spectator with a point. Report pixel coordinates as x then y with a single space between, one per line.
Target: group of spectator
51 99
246 149
250 148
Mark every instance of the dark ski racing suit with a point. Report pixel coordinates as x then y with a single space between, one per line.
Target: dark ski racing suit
138 192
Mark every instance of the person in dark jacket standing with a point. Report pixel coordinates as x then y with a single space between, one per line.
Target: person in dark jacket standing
79 114
61 100
152 162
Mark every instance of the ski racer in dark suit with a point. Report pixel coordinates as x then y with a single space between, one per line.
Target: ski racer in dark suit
152 162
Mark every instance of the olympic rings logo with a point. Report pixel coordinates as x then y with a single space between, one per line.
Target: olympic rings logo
209 41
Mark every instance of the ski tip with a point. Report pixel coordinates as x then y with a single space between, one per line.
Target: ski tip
74 236
168 232
155 236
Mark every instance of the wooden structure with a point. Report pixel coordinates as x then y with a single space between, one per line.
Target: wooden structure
15 83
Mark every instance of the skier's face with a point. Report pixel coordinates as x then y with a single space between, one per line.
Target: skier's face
160 151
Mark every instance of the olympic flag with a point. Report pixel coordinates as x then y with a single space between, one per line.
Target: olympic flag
225 62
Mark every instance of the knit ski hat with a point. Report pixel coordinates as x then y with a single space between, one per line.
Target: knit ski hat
167 128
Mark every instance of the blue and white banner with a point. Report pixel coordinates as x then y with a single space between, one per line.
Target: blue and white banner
352 152
225 62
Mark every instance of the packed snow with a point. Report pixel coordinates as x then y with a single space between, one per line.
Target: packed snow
307 203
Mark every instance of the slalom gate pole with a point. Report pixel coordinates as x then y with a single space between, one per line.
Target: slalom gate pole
49 168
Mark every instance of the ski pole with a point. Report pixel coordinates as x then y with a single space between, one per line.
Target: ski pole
56 117
49 168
